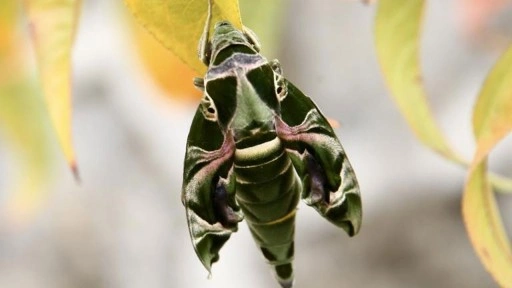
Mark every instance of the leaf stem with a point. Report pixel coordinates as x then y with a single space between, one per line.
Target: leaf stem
500 183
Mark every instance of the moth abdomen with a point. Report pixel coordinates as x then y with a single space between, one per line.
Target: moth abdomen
268 190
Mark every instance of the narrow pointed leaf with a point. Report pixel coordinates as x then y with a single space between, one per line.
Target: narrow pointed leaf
53 24
492 118
397 37
178 24
492 121
484 226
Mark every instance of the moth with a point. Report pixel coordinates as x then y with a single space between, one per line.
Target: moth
257 145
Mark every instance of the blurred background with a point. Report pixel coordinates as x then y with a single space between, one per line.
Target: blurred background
124 225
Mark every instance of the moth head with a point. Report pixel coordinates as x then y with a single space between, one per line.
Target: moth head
245 103
225 35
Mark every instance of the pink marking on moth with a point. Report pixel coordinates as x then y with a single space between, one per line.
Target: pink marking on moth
214 159
219 156
300 132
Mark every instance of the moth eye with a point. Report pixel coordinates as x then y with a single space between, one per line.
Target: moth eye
208 108
279 81
281 90
276 66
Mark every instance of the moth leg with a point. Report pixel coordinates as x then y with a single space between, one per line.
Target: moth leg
340 204
316 181
252 38
199 83
224 204
205 47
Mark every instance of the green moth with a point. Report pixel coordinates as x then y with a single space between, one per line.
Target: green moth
257 145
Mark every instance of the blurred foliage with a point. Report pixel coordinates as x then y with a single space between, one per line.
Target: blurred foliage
475 14
397 34
52 26
23 123
492 121
486 22
397 30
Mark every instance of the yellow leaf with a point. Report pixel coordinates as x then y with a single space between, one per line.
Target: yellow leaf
492 121
52 26
178 24
168 71
492 118
397 35
484 226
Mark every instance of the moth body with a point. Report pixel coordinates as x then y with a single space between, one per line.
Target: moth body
268 191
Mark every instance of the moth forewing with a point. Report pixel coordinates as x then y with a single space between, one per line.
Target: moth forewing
303 128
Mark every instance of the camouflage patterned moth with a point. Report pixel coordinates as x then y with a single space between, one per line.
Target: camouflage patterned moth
257 145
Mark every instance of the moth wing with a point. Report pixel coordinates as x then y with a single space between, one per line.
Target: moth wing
208 159
329 182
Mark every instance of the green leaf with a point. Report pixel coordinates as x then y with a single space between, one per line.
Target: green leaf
52 24
178 24
492 121
397 35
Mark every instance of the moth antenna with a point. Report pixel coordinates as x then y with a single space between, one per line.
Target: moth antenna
204 42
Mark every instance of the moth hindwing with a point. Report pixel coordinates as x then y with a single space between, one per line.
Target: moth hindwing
257 145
